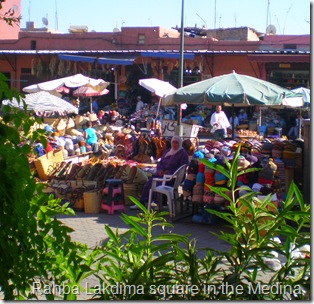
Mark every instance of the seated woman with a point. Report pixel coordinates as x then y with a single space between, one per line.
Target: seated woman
171 160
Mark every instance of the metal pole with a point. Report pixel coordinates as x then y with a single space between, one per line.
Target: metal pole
181 65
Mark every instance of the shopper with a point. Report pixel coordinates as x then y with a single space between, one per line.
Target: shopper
139 104
90 136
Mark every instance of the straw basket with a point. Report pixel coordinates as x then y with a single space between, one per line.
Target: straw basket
42 163
79 204
80 120
92 201
130 190
49 120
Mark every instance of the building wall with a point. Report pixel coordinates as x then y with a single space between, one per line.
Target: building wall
7 31
223 56
234 34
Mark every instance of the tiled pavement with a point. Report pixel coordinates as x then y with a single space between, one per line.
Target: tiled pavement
89 229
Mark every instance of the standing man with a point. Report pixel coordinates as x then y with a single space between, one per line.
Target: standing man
139 104
220 123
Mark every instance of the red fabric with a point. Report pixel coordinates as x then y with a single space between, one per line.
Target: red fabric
201 167
48 147
264 181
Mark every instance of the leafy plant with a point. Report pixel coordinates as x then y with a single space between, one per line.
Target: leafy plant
140 260
35 246
257 227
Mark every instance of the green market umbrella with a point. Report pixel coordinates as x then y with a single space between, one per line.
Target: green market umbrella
234 90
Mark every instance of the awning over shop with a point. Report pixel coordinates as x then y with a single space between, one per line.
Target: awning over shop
116 61
76 58
167 55
279 58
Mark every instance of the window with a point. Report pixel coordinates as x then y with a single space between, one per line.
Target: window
290 46
141 39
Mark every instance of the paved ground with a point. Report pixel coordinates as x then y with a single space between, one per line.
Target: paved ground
89 229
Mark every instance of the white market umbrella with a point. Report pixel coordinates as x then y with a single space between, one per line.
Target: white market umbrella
307 101
74 81
43 103
305 92
158 87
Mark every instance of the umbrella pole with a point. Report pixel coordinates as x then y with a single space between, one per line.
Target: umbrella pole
300 124
91 104
259 121
232 125
158 108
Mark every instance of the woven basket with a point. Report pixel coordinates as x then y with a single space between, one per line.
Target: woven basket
42 163
49 121
80 120
92 201
130 190
79 204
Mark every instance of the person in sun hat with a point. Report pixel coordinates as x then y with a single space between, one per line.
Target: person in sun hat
171 160
242 116
139 104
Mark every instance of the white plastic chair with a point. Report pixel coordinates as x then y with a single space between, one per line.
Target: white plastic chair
171 192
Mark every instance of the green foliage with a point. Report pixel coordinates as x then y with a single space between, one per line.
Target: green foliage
142 264
256 224
10 16
34 245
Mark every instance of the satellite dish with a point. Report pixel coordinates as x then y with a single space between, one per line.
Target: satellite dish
116 30
271 29
44 21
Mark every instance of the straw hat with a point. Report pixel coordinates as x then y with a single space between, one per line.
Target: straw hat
243 163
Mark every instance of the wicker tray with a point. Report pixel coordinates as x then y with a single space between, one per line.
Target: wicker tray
43 163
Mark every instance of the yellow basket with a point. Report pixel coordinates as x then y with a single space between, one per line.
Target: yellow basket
42 163
92 201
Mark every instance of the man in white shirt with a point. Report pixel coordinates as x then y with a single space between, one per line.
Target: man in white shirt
140 104
220 123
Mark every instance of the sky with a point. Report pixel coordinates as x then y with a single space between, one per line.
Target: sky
289 17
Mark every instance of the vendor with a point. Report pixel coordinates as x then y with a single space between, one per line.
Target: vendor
171 160
242 116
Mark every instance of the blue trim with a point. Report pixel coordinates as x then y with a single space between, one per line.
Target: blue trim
126 61
76 58
167 55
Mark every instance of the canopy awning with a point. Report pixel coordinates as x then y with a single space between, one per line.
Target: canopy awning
167 55
76 58
116 61
279 58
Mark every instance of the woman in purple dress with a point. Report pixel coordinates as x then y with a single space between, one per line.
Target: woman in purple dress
171 160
